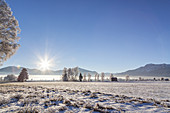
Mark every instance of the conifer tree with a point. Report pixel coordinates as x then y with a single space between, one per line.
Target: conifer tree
23 75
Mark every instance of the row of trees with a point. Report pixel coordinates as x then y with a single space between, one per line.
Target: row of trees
23 76
71 74
98 77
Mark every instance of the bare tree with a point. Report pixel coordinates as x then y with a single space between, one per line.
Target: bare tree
23 75
9 29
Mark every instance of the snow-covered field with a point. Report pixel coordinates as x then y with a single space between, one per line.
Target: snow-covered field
51 97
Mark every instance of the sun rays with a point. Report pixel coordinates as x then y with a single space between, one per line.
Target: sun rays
45 64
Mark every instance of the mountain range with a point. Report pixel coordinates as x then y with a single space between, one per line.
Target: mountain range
15 70
157 70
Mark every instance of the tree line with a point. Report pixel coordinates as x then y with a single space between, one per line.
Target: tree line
69 74
23 76
72 74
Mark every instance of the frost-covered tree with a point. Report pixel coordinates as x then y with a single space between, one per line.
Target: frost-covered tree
70 74
9 29
127 78
23 75
10 78
95 77
76 72
102 76
84 77
98 77
64 75
69 71
1 79
73 74
111 76
89 77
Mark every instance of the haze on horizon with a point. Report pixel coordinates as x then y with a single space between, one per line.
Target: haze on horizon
105 35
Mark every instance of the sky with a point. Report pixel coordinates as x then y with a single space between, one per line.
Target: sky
100 35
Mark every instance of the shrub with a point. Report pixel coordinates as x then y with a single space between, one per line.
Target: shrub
10 78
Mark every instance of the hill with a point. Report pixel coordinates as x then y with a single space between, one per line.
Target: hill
157 70
15 70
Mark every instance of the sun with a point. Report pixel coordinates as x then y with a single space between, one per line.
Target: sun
44 64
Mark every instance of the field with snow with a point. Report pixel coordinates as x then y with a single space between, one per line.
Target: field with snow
51 97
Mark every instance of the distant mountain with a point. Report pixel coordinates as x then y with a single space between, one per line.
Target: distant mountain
156 70
159 70
15 70
10 70
87 71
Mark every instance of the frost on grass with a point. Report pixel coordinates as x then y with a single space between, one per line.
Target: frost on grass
61 97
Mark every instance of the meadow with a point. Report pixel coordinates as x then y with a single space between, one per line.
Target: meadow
85 97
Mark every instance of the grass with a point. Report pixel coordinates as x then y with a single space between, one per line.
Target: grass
39 99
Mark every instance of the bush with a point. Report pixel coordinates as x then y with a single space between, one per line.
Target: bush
10 78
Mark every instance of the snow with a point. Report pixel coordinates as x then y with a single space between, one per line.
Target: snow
51 97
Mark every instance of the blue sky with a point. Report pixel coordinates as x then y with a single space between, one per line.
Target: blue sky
101 35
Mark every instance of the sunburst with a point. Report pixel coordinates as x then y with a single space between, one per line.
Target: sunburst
45 64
